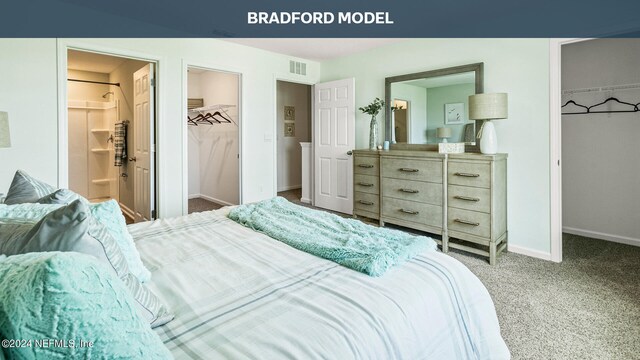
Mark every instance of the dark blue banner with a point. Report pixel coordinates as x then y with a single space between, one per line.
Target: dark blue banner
372 18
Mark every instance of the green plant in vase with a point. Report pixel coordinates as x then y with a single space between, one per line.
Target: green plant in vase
373 109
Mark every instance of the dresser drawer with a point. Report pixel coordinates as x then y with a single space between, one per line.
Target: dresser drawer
469 198
412 190
367 202
470 222
469 173
412 169
420 213
366 183
366 165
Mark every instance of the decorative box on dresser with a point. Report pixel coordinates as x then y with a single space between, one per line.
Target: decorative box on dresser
458 196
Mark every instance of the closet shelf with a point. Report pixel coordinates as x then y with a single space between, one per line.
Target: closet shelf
99 130
100 151
101 181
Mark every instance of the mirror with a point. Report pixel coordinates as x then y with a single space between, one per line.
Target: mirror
430 107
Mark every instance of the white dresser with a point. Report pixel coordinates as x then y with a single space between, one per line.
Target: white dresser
462 197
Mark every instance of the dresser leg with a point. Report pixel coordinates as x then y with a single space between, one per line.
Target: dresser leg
492 253
381 223
445 243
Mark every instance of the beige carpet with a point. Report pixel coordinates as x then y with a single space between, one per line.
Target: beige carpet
200 205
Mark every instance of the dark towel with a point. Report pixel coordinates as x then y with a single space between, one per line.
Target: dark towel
120 143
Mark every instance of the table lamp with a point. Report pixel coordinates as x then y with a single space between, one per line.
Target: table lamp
488 107
443 133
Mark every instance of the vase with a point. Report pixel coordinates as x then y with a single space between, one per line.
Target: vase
373 133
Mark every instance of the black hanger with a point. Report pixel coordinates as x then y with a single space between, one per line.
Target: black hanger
635 107
576 104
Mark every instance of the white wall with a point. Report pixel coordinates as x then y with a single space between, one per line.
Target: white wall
519 67
218 144
194 91
601 170
28 93
289 150
28 69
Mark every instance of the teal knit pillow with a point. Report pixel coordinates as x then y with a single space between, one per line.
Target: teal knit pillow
69 298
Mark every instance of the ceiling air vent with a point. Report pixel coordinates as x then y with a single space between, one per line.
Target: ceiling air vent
296 67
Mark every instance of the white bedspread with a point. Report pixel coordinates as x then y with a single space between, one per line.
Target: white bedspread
239 294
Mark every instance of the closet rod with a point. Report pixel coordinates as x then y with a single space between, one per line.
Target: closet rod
94 82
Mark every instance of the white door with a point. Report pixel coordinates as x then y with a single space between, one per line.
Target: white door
143 143
333 139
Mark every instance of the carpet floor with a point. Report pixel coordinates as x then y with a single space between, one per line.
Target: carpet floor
587 307
199 205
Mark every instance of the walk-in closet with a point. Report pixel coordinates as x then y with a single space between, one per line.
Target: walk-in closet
213 124
600 129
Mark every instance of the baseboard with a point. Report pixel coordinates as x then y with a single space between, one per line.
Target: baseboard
126 210
212 199
602 236
194 196
289 187
529 252
306 201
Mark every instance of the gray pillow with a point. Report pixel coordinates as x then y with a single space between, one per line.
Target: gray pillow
26 189
72 228
61 196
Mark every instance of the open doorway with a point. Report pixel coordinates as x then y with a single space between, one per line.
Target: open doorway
293 103
599 105
213 122
111 131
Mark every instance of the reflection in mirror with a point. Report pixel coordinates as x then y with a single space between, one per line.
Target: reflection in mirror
421 106
430 107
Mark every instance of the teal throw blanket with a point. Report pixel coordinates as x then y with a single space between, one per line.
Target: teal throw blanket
348 242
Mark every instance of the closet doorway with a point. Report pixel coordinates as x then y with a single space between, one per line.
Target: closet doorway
111 131
600 123
213 125
293 138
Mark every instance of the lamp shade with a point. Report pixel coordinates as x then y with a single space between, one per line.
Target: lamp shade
488 106
5 138
443 132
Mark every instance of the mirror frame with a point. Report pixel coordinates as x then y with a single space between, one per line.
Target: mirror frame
477 68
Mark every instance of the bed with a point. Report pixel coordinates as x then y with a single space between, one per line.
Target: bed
237 293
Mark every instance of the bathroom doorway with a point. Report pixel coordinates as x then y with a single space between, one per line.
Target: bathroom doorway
111 131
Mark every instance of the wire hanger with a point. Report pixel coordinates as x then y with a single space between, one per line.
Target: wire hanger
589 111
576 104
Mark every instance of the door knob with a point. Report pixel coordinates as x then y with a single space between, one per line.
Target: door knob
349 152
132 158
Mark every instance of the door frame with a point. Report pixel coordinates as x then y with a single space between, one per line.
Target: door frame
63 45
208 66
555 141
294 80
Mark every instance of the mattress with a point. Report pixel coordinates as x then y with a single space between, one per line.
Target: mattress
238 294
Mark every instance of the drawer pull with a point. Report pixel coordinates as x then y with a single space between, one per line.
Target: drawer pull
466 222
409 170
365 184
410 191
467 174
366 166
411 212
466 198
364 202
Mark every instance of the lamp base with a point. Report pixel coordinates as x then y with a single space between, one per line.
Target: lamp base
489 139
